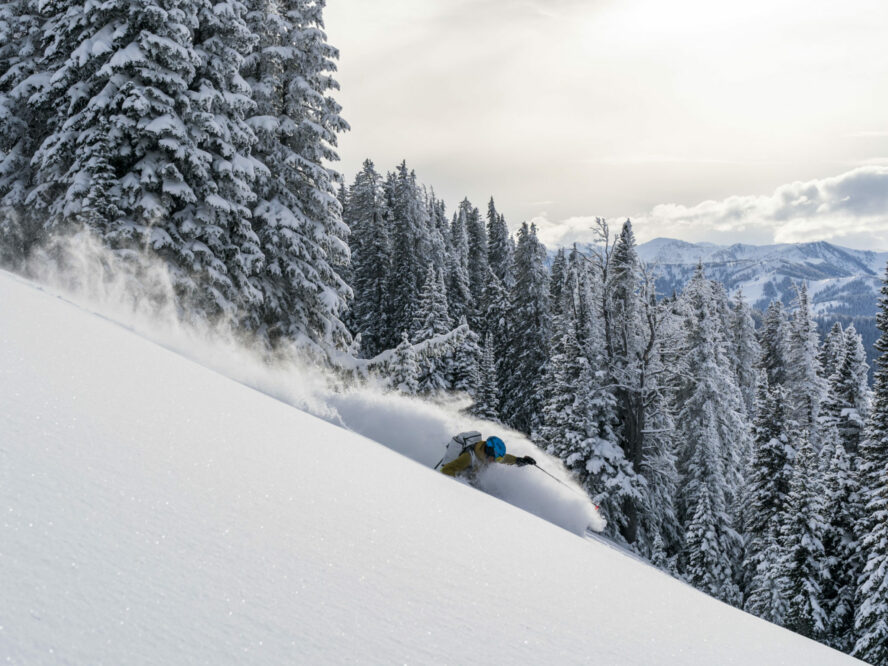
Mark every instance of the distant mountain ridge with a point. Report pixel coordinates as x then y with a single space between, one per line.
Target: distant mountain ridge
841 281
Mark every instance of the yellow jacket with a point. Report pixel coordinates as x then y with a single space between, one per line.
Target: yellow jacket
475 458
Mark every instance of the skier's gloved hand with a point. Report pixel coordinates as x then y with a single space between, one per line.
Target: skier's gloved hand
526 460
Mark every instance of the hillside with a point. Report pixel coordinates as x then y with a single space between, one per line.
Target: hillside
158 508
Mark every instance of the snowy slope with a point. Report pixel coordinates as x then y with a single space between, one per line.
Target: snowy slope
155 511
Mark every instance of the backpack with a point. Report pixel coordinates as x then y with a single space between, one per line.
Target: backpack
459 444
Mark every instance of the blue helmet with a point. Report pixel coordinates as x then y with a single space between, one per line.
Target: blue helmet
495 447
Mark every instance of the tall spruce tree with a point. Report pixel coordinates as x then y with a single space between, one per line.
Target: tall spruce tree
806 388
487 392
766 491
298 213
410 245
477 262
848 399
842 564
22 125
370 243
801 544
459 286
746 352
831 351
525 354
712 428
872 591
500 248
775 342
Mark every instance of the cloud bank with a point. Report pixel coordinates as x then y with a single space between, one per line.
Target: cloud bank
850 209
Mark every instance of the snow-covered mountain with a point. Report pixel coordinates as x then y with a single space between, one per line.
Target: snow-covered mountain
171 501
840 280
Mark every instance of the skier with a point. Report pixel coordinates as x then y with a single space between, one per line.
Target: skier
481 454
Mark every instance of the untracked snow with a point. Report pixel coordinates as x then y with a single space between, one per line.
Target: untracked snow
155 510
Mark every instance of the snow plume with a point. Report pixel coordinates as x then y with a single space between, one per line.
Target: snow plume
137 292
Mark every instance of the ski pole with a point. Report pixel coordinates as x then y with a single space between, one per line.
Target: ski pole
560 481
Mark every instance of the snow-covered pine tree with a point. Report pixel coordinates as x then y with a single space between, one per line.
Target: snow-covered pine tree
403 369
842 564
806 388
487 392
220 101
500 248
298 214
765 589
410 246
370 244
432 316
477 262
764 500
711 427
22 125
459 288
525 353
464 366
432 319
496 320
774 340
439 231
146 112
848 399
563 421
872 591
801 545
831 351
745 351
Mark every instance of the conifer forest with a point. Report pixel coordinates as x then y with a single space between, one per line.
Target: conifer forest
750 461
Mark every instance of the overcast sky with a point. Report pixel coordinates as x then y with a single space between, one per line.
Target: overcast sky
754 121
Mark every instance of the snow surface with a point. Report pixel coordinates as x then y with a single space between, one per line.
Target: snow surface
154 510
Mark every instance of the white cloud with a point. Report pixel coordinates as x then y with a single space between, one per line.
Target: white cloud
850 209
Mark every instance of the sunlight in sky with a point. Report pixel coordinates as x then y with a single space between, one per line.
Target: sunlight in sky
611 108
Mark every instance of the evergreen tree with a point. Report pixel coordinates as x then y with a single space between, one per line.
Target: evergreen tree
746 353
842 565
832 351
141 101
528 334
403 371
477 262
298 213
459 288
774 339
432 315
765 590
628 350
765 497
432 319
487 393
500 249
410 246
464 371
848 400
872 590
801 542
711 426
370 243
806 388
22 125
